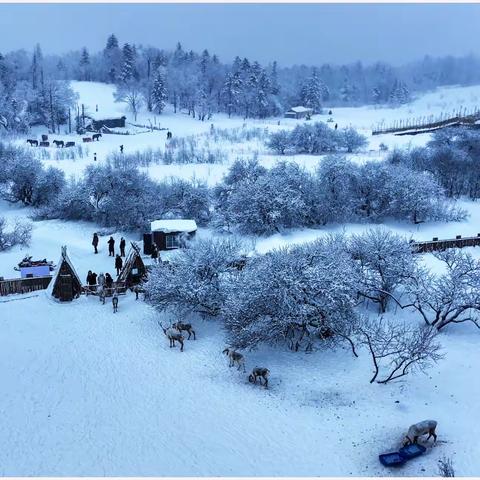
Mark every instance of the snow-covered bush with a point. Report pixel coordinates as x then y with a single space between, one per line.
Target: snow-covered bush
23 178
20 233
352 140
196 279
279 142
293 296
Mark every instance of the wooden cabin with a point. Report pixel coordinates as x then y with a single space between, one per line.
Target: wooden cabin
97 123
168 234
66 284
299 112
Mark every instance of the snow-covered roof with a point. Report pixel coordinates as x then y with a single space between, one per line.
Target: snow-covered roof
97 116
300 109
176 225
63 257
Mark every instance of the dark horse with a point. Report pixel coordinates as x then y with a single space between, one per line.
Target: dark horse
70 144
33 143
96 136
59 143
44 144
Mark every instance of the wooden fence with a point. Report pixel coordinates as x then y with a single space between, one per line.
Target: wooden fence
430 123
435 244
23 285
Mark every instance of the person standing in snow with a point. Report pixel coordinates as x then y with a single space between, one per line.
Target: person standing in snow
122 247
118 264
154 253
121 148
108 280
336 126
111 247
89 277
94 157
95 242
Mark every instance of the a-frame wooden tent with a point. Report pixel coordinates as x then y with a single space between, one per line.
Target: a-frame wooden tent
134 270
66 284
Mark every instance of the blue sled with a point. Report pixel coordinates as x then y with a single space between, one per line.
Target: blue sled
395 459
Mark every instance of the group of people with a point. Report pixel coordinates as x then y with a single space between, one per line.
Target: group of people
111 245
101 280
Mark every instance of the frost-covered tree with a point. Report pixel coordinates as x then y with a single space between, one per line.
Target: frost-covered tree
195 281
294 296
84 65
130 92
313 92
352 140
20 233
129 69
385 262
279 141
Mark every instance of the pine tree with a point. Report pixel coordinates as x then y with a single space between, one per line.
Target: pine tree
113 59
159 92
85 64
129 70
312 92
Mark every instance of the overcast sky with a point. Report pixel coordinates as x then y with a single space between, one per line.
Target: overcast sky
288 33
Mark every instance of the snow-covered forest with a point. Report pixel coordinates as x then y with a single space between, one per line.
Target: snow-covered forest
305 261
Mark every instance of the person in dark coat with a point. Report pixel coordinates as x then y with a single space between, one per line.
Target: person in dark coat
121 148
122 247
154 253
95 242
111 247
108 281
118 264
89 277
336 126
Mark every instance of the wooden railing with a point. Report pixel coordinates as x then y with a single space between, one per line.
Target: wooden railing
429 123
435 244
23 285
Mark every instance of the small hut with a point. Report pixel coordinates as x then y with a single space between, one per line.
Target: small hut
299 112
133 271
66 284
168 234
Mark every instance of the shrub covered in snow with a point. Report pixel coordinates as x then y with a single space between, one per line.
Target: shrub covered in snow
20 233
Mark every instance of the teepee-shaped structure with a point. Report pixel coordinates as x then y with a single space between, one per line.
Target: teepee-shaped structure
133 270
66 284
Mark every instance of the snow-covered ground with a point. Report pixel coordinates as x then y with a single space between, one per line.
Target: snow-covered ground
87 392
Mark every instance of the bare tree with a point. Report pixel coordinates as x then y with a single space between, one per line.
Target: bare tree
131 94
450 297
398 349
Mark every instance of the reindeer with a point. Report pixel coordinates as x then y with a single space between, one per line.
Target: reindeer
59 143
115 301
96 136
419 429
259 372
33 143
173 335
102 293
235 357
70 144
185 327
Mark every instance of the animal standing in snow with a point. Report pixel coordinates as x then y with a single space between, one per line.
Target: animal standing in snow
59 143
185 327
115 301
235 358
259 372
173 335
70 144
96 136
87 139
419 429
44 138
33 142
44 144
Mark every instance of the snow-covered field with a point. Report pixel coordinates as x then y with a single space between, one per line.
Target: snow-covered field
87 392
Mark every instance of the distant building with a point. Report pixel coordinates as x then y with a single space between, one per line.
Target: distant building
168 234
97 123
299 112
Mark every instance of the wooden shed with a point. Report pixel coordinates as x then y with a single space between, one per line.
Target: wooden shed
98 123
134 270
66 284
299 112
169 234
